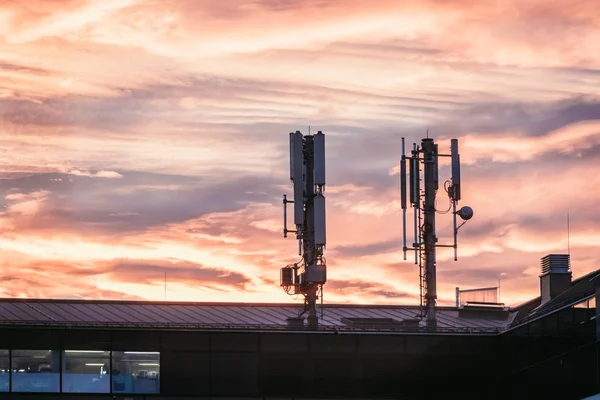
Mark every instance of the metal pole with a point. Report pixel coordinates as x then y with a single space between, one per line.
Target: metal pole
310 252
429 231
455 230
416 204
457 297
404 248
284 216
403 196
569 236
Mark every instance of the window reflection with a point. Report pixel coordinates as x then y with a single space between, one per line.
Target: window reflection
135 371
83 371
587 303
4 371
86 371
35 371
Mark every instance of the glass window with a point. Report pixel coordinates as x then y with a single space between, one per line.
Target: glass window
583 304
86 371
136 371
35 371
4 370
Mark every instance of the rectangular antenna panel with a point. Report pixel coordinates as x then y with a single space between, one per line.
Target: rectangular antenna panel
298 202
411 178
320 220
457 188
415 179
319 149
291 155
296 155
455 168
298 178
403 182
436 174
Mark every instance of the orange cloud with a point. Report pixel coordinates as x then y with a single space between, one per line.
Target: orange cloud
574 138
148 137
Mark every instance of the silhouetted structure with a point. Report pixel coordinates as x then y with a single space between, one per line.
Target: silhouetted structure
545 348
423 203
307 172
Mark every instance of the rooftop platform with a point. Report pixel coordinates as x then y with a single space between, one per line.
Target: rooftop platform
233 316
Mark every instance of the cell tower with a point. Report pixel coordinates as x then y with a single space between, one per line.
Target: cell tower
423 203
307 172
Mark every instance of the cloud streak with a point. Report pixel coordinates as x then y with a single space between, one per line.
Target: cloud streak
138 138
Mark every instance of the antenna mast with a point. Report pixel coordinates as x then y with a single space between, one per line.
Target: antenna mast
423 203
568 235
307 172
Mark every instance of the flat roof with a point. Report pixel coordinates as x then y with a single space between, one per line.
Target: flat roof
223 316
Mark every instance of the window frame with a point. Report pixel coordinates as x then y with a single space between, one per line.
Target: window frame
61 372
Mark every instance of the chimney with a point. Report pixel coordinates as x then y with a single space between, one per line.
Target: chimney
555 277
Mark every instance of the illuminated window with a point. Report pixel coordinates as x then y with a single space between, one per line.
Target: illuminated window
587 303
4 371
136 371
35 371
86 371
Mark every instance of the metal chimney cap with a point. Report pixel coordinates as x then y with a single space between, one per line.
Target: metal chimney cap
556 264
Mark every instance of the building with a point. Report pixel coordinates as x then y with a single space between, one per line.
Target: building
551 345
119 349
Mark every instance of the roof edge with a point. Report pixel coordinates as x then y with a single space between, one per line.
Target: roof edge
589 276
205 303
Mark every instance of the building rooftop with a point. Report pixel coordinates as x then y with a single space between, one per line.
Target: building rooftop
580 289
229 316
476 318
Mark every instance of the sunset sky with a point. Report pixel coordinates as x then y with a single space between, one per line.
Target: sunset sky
143 137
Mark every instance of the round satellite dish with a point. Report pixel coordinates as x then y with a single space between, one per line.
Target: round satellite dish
465 213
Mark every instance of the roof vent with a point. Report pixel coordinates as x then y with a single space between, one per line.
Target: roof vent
381 323
295 322
372 323
483 310
556 276
411 323
475 305
556 264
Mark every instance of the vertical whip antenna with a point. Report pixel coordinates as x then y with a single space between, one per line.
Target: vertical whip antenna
569 235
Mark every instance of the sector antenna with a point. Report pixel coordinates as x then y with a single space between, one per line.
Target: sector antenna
423 177
307 173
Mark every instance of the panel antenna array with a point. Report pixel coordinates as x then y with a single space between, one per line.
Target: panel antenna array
307 173
423 203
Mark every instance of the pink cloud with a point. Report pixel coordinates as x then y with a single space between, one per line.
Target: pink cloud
203 93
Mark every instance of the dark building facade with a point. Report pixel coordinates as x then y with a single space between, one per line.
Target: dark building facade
161 350
196 364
